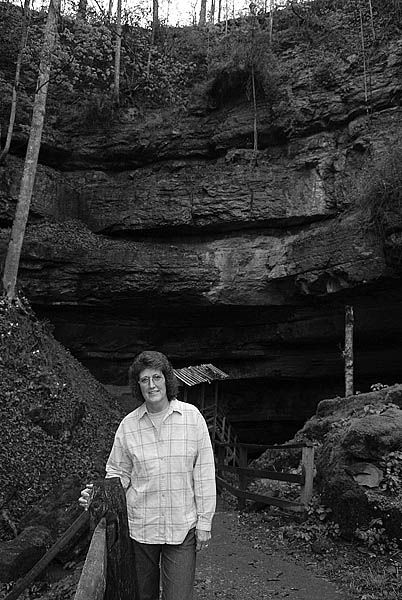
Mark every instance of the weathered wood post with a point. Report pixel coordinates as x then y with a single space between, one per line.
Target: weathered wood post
109 501
306 491
92 583
348 351
219 450
241 502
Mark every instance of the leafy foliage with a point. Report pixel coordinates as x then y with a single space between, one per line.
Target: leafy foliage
392 470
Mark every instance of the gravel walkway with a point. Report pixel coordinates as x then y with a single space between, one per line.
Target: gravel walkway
233 569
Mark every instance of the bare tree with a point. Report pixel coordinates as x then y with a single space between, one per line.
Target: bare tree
203 13
348 352
110 10
212 12
253 12
219 10
117 56
155 19
31 159
271 19
154 33
14 99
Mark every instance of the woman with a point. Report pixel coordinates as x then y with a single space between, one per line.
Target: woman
163 455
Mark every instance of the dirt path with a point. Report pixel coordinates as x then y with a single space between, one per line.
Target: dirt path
233 569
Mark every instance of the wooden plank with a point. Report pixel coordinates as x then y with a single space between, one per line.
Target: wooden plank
110 500
267 447
306 491
92 583
282 503
264 474
262 447
37 569
241 503
348 351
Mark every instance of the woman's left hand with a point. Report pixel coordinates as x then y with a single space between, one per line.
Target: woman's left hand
202 538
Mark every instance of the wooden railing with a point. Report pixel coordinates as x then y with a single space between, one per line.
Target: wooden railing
222 434
92 583
232 457
108 572
244 473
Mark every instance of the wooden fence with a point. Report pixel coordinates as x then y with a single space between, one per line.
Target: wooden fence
108 572
244 473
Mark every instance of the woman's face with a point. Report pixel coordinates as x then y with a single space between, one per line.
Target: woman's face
153 388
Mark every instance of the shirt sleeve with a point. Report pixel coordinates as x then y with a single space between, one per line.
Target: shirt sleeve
119 463
204 478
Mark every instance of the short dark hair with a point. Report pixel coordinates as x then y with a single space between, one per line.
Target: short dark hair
150 359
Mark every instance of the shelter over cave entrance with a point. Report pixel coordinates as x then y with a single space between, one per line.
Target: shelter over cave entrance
199 384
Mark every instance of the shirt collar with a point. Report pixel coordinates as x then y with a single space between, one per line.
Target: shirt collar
174 406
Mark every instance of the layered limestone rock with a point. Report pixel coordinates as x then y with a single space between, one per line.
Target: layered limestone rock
166 231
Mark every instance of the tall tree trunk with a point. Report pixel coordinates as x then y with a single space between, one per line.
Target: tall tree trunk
363 46
203 13
271 19
253 9
255 116
219 10
31 159
154 33
348 352
212 12
23 41
117 56
110 10
155 19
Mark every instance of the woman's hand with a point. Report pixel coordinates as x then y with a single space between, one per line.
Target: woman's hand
202 538
86 496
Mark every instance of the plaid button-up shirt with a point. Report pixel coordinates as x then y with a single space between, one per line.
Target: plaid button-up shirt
169 476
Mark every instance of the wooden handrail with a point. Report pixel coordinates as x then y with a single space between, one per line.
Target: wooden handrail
272 500
92 583
268 447
305 479
229 450
109 502
264 474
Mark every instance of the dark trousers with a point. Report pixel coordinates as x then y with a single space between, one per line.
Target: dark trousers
174 563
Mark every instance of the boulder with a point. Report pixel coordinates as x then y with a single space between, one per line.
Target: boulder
349 431
19 555
41 526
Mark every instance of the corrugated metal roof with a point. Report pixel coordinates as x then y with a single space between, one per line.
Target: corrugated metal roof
194 375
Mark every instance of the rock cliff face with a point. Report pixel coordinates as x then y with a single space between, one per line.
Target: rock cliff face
165 232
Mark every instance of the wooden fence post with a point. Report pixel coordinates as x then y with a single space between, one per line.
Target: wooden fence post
241 502
306 491
348 351
109 500
92 583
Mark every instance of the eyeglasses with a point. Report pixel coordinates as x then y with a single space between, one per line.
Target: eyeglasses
147 380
